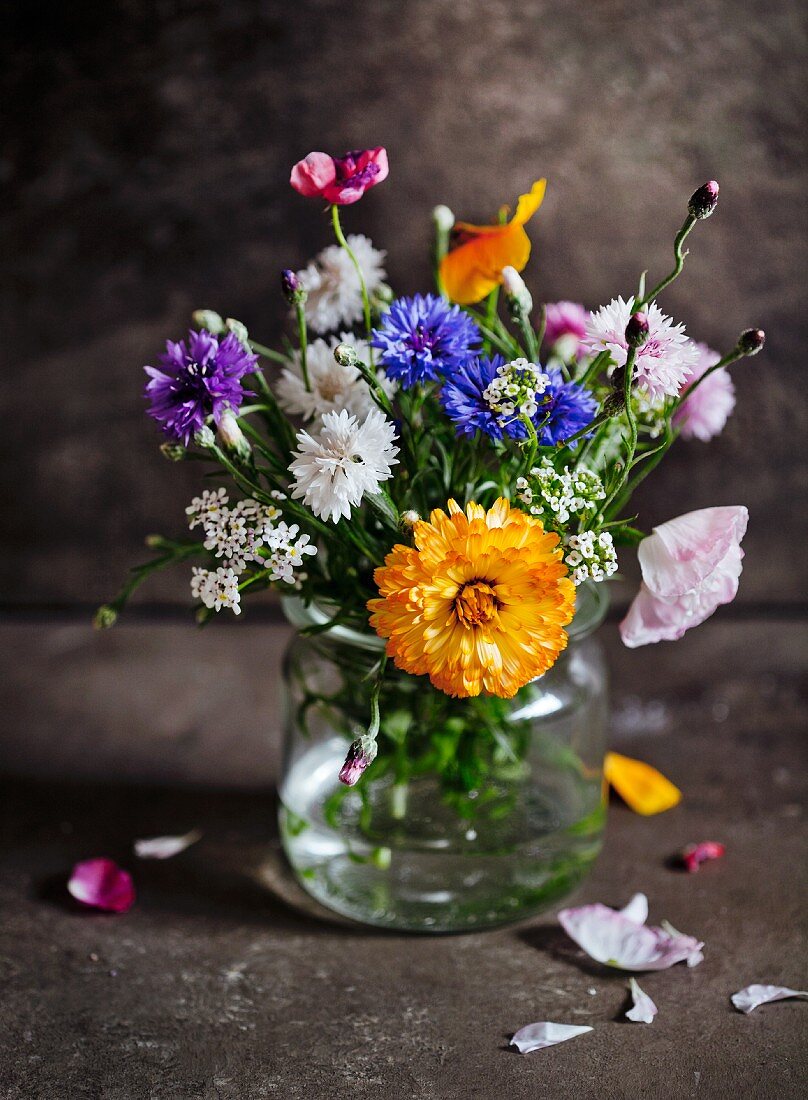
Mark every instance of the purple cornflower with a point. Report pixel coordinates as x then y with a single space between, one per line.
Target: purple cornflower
423 338
197 379
567 407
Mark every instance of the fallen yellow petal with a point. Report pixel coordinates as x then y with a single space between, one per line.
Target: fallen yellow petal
642 787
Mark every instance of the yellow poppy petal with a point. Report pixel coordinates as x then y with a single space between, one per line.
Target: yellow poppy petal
641 786
528 204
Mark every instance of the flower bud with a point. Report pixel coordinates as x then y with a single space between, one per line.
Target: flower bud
345 355
443 218
208 319
293 290
637 329
105 617
240 330
703 202
205 437
383 295
751 341
174 452
232 436
360 756
409 519
515 290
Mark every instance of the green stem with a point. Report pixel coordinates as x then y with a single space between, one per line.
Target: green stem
303 341
268 353
731 357
679 258
338 233
598 364
175 552
632 431
600 419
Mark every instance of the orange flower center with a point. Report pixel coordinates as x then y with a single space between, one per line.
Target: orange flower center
476 604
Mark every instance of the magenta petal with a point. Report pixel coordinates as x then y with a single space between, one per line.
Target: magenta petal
102 884
313 174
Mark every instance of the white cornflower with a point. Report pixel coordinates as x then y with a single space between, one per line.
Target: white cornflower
558 494
332 284
207 508
664 360
333 386
334 469
512 393
216 589
590 556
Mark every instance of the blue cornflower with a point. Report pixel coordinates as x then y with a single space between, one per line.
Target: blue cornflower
423 338
569 406
199 379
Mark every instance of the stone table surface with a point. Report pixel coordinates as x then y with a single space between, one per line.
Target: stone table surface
224 983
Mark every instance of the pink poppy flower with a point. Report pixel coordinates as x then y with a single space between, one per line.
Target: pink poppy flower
102 884
704 414
341 180
690 566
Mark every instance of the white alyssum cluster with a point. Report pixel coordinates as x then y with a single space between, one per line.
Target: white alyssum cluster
590 556
332 284
334 386
514 391
247 532
558 494
334 469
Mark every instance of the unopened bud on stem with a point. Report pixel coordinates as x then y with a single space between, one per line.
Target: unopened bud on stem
345 355
105 617
239 330
208 319
174 452
704 201
751 341
637 329
231 435
443 218
360 756
515 290
293 290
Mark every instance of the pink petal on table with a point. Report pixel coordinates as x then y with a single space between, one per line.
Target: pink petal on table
614 939
102 884
746 1000
643 1009
695 854
164 847
539 1036
696 955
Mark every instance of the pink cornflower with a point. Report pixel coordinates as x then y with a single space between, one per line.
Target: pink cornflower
664 360
565 320
341 180
704 415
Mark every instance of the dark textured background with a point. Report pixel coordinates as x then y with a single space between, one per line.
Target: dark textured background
145 171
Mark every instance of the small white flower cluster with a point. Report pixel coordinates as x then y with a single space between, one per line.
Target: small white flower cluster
514 391
332 284
650 413
590 556
560 492
247 532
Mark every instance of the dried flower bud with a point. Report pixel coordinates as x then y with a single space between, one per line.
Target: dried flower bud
105 617
704 201
443 218
360 756
637 329
174 452
518 295
345 355
208 319
293 290
232 436
751 341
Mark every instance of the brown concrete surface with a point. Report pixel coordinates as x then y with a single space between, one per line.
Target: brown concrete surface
224 983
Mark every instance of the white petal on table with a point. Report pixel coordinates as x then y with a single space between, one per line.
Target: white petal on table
644 1009
164 847
748 999
541 1035
636 910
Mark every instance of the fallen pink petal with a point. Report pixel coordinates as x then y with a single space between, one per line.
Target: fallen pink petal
695 854
621 938
102 884
541 1035
747 1000
164 847
643 1010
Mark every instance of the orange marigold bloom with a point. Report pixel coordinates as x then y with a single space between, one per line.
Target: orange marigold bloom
472 269
479 603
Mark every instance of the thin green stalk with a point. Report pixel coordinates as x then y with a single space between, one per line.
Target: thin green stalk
268 353
175 552
731 357
600 419
598 364
338 233
632 431
679 262
303 342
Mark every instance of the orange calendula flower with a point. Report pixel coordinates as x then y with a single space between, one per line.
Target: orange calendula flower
472 269
641 786
479 604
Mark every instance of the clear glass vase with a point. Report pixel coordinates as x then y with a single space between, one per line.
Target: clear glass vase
475 813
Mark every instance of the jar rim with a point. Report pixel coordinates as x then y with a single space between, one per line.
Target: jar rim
591 605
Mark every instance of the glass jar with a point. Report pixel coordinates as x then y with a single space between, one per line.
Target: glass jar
475 813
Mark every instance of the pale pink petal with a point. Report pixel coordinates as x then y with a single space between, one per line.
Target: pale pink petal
681 554
539 1036
102 884
643 1009
164 847
313 174
636 910
696 955
748 999
611 938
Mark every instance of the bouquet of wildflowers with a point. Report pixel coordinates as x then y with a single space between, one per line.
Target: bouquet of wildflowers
445 469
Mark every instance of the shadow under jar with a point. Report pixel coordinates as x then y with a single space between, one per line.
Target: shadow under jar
475 813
